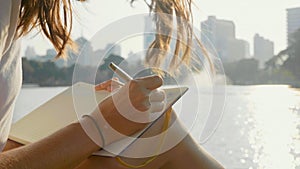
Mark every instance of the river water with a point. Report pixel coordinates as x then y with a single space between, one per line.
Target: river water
260 127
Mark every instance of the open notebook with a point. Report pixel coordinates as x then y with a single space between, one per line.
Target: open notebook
59 112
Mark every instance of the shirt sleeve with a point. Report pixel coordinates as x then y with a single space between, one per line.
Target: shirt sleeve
5 13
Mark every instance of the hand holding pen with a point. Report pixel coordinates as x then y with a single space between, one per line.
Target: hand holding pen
145 97
128 110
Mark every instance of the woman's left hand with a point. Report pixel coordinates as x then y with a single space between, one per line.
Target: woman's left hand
109 85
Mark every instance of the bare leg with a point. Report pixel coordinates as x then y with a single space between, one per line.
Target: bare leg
187 154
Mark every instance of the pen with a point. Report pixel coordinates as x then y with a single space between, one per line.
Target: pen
121 73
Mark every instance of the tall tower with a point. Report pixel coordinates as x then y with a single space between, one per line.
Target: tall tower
263 49
220 34
293 21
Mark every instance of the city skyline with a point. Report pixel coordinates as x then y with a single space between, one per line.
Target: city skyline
271 24
218 32
219 36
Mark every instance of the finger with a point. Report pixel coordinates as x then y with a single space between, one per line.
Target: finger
141 103
115 87
109 89
100 87
117 83
150 82
104 85
157 96
156 107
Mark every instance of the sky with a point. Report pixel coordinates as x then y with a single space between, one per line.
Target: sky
266 17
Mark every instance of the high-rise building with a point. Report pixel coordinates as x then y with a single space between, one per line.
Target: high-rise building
114 49
30 52
85 50
293 21
220 35
239 49
263 49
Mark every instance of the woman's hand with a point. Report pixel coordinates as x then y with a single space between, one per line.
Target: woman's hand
126 111
136 98
109 85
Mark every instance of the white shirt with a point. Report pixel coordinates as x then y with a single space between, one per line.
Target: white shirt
10 65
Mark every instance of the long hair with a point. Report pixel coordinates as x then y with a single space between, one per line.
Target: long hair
46 14
164 11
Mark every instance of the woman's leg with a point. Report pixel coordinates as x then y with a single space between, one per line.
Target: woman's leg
186 154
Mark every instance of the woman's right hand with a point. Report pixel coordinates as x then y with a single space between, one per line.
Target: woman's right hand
126 111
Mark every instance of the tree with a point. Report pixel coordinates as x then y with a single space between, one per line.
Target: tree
242 72
289 58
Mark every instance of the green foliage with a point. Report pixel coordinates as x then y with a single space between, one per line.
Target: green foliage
281 69
45 73
293 52
48 74
242 72
246 72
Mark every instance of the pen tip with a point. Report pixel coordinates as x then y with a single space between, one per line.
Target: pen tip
112 66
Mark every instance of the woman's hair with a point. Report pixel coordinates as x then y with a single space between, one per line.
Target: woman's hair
57 25
52 17
168 14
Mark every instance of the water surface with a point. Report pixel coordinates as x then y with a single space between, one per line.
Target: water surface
259 129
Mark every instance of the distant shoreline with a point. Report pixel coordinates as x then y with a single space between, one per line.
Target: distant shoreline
35 85
30 85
